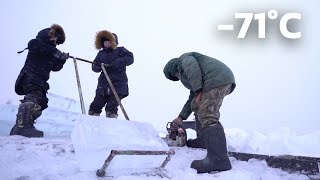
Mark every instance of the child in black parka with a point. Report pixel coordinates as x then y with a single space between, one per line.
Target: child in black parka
118 58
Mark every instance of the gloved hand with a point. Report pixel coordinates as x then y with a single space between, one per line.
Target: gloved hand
177 122
96 63
96 66
57 54
64 56
61 55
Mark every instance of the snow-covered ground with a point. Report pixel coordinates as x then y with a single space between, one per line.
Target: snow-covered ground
56 156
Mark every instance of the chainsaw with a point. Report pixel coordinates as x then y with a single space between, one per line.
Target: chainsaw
177 135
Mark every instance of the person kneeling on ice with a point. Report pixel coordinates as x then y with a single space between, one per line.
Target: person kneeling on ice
117 58
209 81
43 57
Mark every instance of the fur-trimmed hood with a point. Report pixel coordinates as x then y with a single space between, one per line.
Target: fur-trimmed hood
57 31
54 31
108 35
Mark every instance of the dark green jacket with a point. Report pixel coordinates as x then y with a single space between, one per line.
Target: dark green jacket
198 72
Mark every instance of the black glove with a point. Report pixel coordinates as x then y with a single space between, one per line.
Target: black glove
96 66
96 63
61 55
64 56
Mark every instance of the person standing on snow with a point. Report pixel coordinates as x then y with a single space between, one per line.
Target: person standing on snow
209 81
117 58
43 57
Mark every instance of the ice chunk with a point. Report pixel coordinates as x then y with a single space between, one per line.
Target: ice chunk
94 137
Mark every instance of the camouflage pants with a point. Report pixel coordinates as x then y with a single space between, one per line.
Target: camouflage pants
209 106
35 94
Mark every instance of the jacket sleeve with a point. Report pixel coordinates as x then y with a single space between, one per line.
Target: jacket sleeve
35 45
186 110
58 64
126 59
193 72
96 67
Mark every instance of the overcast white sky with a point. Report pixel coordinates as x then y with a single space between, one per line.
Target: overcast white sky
277 79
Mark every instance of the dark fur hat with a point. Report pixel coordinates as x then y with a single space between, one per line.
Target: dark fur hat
105 35
57 31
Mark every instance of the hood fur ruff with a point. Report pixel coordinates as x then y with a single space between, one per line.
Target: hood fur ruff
107 35
55 28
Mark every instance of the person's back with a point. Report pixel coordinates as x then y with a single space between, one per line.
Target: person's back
214 72
209 81
207 72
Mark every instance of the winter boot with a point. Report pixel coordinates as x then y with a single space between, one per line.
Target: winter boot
197 142
217 156
111 115
28 112
92 113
